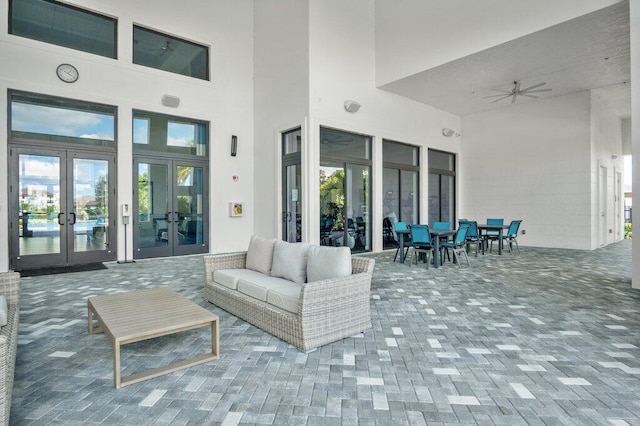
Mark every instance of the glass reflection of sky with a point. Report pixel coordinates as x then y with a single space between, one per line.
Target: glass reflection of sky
181 134
61 122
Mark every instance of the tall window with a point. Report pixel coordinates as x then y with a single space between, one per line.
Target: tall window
63 25
345 185
292 186
168 53
400 190
60 120
442 187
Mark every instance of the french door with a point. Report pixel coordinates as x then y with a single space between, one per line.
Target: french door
344 205
62 203
170 211
291 203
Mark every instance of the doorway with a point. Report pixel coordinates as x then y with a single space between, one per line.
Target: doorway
170 202
62 207
292 186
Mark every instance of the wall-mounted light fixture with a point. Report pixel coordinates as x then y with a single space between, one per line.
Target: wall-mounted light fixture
170 101
351 106
234 145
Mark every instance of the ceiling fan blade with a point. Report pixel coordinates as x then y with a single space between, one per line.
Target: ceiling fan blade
535 91
533 87
502 91
496 96
513 101
529 96
499 99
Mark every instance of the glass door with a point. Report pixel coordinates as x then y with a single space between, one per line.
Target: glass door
357 206
61 206
292 211
344 205
171 208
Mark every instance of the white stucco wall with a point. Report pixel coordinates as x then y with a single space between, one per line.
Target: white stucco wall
532 162
226 101
415 35
606 146
281 93
342 57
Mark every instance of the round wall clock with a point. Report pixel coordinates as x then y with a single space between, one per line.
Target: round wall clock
67 73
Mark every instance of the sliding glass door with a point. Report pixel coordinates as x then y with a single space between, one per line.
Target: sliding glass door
442 187
345 179
400 189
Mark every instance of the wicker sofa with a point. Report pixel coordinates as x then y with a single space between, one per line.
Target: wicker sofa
327 310
9 287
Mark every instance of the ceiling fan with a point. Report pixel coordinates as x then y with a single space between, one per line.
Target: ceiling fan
517 91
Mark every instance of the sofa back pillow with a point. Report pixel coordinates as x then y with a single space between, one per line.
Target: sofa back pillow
290 261
328 262
260 254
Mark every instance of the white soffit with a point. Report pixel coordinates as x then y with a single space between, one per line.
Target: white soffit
588 52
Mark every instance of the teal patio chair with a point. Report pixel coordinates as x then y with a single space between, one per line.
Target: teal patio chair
420 242
512 235
458 245
492 235
401 227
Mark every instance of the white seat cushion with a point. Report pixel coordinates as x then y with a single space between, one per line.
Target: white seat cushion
328 262
286 297
290 261
229 277
258 287
260 254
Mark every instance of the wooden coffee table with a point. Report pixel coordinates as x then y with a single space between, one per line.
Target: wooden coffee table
145 314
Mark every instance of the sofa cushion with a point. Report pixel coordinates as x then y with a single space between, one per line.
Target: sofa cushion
260 254
290 261
328 262
258 287
285 297
3 311
229 277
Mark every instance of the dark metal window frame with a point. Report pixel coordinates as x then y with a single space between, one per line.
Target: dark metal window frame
77 9
443 172
400 167
172 151
61 141
182 40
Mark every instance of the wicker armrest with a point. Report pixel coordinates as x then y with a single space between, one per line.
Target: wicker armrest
332 299
213 262
10 286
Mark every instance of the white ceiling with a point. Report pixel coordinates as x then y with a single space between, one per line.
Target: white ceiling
588 52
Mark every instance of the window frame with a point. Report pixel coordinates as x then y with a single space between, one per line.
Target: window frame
144 28
114 20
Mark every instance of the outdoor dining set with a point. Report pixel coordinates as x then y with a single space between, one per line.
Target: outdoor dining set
433 243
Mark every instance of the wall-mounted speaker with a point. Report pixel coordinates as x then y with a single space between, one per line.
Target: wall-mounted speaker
351 106
170 101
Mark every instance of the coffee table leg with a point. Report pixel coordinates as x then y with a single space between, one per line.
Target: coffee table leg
116 363
214 337
90 319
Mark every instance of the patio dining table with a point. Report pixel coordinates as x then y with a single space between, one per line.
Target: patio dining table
483 228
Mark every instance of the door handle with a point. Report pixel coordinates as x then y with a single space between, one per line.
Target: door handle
59 221
167 216
74 218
